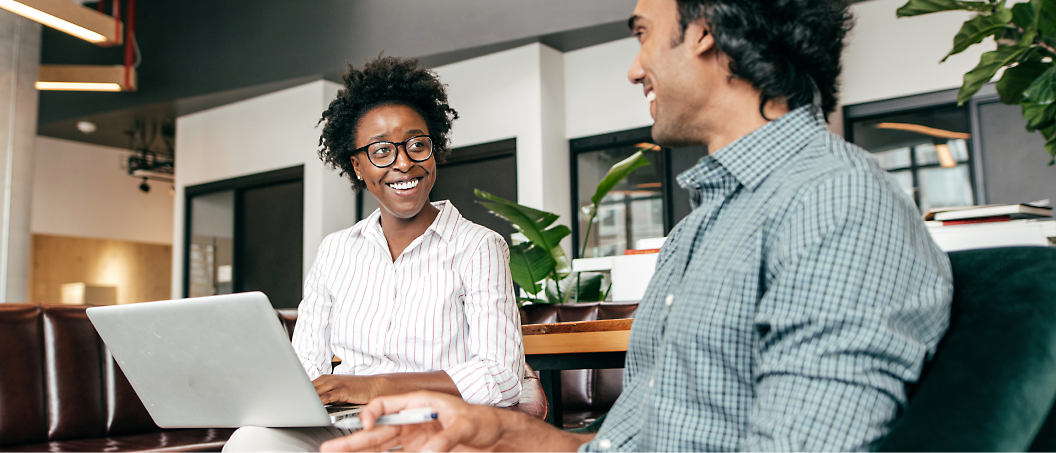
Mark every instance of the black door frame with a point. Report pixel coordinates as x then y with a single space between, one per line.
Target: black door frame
629 137
284 175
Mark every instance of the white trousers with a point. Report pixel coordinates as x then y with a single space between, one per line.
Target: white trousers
253 438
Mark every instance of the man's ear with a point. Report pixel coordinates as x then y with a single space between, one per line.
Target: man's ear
698 38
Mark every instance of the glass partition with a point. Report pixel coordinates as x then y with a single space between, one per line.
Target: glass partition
212 244
632 210
926 151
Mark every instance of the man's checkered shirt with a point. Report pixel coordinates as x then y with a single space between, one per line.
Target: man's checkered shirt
789 310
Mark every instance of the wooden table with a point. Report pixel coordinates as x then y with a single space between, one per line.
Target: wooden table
550 348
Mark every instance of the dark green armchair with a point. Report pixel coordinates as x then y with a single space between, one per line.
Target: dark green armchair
992 383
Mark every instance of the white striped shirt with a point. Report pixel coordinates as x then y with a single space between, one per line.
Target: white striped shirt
446 303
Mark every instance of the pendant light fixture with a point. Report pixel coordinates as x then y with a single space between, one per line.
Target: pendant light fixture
69 17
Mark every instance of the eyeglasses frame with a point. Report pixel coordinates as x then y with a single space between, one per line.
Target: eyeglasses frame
397 155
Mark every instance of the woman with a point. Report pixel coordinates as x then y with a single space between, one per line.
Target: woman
414 297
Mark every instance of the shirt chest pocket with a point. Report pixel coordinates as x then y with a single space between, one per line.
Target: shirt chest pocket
430 306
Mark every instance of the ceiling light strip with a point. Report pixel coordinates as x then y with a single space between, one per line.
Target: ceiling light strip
77 86
86 78
64 15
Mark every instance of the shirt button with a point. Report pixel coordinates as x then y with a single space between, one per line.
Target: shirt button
604 444
651 382
669 300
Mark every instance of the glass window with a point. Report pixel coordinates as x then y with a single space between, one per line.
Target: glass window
212 244
631 211
926 152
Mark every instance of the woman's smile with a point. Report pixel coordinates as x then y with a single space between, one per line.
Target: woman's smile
402 184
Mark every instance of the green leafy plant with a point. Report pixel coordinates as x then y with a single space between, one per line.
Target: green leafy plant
539 265
1026 45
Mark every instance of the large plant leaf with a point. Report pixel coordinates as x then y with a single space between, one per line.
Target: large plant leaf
529 265
617 173
918 7
1050 141
562 268
1023 16
975 30
1045 12
578 287
1016 79
1038 116
530 222
1049 132
1043 90
1039 100
988 65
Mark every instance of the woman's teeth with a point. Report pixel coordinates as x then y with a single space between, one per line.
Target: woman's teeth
404 185
651 96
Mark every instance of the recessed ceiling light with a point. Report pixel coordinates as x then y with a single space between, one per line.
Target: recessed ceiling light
86 126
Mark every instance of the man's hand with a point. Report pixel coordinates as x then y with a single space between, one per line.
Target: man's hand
459 426
336 388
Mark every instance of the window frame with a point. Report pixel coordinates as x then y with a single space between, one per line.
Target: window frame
628 137
237 185
925 102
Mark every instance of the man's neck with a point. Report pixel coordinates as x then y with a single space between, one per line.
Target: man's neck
739 116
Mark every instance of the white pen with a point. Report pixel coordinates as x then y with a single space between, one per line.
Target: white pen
404 417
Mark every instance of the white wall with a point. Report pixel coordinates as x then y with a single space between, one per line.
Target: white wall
519 93
885 58
599 98
889 58
81 190
269 132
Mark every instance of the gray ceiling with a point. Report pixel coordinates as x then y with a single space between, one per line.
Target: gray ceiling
199 54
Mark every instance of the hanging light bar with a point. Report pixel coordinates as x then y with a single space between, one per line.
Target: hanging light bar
86 78
69 17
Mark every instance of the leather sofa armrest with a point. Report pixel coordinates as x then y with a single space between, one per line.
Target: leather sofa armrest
533 400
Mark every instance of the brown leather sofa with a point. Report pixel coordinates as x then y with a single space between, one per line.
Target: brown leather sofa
585 394
61 390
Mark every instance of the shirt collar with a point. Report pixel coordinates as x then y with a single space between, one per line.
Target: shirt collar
443 225
750 159
446 220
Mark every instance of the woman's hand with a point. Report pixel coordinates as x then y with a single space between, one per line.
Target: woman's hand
459 426
336 388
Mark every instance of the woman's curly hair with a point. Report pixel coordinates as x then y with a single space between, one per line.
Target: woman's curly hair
383 81
784 48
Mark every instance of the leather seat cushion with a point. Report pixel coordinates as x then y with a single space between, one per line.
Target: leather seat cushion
203 439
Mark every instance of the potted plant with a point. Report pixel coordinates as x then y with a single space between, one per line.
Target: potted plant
1025 34
539 264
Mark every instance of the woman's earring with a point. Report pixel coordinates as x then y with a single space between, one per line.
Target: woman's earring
360 177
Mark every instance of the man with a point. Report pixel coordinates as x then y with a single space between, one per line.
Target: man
792 306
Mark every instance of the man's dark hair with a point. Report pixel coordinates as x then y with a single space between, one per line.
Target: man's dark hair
383 81
784 48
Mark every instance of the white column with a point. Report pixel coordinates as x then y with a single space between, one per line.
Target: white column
19 63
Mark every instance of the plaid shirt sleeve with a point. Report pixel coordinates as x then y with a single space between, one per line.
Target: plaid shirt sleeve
855 297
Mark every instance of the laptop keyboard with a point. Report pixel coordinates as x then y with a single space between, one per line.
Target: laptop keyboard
354 408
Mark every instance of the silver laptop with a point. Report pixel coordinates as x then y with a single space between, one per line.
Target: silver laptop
212 362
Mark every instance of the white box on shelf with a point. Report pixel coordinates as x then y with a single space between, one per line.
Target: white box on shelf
995 234
630 274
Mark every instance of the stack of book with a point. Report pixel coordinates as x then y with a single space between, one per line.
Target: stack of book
989 213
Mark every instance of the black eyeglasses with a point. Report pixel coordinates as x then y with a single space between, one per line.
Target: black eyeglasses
383 154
